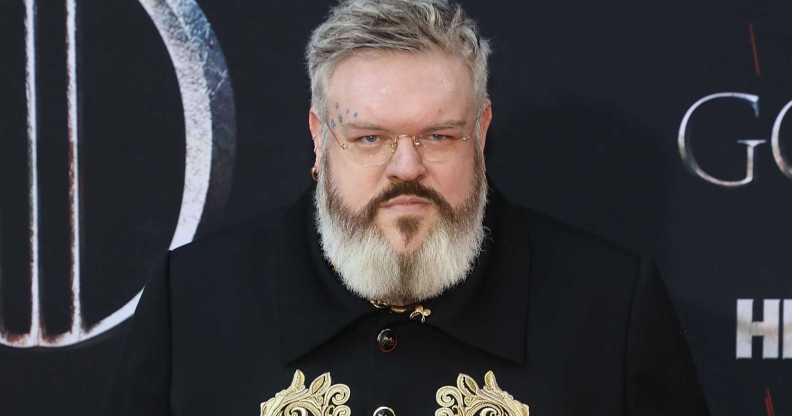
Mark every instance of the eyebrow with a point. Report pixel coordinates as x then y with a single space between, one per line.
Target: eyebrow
363 126
439 126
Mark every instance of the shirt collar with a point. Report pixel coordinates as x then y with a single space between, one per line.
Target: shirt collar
488 310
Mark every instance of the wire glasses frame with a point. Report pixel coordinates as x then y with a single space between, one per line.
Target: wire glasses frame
378 149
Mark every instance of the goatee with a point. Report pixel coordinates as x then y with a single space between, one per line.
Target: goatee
368 264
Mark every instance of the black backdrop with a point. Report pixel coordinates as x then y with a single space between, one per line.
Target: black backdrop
589 98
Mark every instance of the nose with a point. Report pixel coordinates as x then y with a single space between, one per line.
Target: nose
406 163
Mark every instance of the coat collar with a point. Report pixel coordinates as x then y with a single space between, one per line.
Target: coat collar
488 310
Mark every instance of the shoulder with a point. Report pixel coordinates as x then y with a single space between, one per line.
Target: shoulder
240 255
549 235
229 279
229 242
254 236
566 258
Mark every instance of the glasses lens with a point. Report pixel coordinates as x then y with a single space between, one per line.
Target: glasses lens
377 150
371 150
440 147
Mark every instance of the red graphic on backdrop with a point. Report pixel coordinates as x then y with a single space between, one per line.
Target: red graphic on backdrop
768 401
755 50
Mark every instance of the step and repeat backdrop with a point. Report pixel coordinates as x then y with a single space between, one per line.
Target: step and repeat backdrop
133 127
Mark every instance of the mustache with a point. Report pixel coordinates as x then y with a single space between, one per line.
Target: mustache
413 188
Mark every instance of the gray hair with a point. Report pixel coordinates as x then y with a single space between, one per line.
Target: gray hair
394 25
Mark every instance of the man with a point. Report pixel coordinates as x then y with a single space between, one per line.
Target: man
401 284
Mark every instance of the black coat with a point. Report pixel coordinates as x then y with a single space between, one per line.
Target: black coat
568 323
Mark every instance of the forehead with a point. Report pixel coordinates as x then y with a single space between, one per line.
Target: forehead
401 89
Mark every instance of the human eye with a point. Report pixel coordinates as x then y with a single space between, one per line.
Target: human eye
368 140
439 138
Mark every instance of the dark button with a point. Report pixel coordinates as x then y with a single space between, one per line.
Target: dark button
386 340
384 411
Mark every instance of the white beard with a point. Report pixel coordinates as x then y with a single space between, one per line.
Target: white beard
372 269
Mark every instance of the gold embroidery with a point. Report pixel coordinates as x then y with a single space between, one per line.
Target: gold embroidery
322 398
467 399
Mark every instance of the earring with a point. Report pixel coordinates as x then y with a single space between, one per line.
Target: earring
315 174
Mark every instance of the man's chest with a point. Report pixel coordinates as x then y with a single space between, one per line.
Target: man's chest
386 362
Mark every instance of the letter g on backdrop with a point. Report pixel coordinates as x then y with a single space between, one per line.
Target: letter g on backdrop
686 152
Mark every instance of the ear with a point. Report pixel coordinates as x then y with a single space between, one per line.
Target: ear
315 125
484 122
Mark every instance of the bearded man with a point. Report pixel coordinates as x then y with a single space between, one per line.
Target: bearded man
400 284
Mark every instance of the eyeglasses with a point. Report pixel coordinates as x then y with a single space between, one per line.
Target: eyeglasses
377 149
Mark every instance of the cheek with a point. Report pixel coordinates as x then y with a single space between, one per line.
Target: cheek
455 181
356 187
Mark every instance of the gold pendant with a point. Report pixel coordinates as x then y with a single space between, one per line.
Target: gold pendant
420 313
322 398
467 399
418 310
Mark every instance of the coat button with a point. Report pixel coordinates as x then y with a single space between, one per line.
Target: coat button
386 340
384 411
